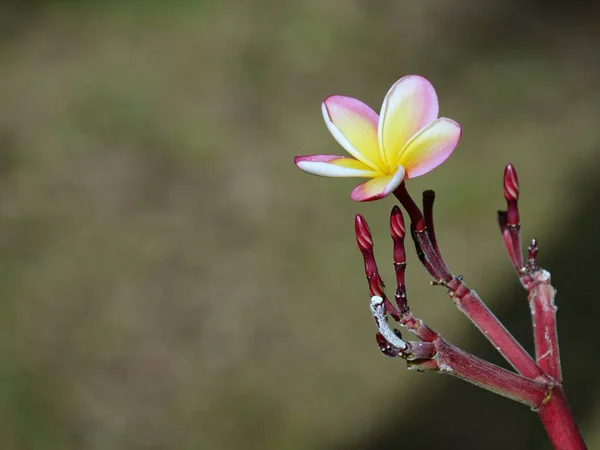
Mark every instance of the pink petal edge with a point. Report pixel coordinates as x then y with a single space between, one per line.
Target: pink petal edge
378 188
354 105
353 124
445 135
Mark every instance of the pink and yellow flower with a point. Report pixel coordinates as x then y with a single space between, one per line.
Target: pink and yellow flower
407 139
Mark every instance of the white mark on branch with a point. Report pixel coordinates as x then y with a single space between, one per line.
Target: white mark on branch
378 311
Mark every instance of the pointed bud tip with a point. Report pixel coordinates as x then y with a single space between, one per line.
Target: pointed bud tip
360 225
363 234
511 183
397 226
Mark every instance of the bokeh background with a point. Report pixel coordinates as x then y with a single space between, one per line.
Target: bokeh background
168 278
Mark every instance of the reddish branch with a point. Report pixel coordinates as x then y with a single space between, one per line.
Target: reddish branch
433 352
465 299
534 279
539 384
559 422
509 220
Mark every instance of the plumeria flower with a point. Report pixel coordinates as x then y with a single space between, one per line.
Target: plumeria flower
407 140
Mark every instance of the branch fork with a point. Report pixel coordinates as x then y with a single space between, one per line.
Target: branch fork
536 382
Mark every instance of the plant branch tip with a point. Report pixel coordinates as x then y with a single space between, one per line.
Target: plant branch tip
511 183
397 226
363 233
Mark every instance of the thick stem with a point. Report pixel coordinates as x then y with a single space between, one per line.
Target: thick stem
559 422
543 314
468 367
473 307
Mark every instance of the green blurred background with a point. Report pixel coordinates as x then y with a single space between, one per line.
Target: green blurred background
168 278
